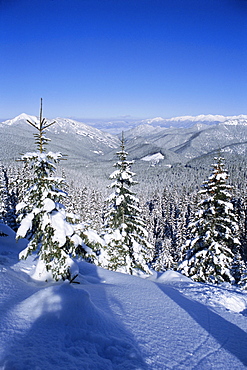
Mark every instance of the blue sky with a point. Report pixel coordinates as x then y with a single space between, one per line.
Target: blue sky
112 58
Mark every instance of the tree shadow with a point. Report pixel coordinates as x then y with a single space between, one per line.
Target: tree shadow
9 246
60 327
229 336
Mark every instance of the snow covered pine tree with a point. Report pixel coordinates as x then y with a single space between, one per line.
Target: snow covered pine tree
8 200
209 253
43 219
125 235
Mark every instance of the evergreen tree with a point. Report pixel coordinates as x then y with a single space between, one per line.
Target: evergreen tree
243 275
2 208
125 234
9 199
161 232
209 253
241 257
240 206
42 216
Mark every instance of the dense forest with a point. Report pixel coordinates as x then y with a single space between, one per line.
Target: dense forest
163 218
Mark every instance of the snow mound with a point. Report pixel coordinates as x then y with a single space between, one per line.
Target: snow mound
40 273
173 277
59 327
168 277
233 303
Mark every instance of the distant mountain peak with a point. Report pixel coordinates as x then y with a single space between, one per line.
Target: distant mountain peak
200 118
68 126
188 121
20 117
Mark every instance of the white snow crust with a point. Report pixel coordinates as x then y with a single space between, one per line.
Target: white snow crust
115 321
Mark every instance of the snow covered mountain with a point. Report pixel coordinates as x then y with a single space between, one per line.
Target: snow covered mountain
199 136
115 321
116 126
67 126
188 121
72 138
194 141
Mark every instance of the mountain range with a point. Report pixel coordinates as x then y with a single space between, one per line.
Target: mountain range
150 142
126 123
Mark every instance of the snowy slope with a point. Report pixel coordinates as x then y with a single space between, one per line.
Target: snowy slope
194 141
187 137
116 321
17 119
67 126
75 139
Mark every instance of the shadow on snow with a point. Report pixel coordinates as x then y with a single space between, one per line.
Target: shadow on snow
229 336
60 327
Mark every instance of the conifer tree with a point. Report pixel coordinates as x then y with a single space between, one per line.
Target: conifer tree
9 199
2 208
42 216
208 255
241 258
125 234
161 232
241 210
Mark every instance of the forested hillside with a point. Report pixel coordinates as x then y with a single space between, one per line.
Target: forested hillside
167 195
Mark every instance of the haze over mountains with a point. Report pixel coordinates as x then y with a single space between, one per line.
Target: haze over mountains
156 141
126 123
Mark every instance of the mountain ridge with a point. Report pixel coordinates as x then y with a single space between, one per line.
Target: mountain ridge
83 142
116 125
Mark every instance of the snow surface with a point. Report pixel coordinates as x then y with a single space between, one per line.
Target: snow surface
67 125
156 157
116 321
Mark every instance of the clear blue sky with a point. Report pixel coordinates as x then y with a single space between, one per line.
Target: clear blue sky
111 58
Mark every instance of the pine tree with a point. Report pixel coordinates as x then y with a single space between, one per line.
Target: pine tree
42 216
241 210
125 234
9 199
241 257
209 253
2 206
161 232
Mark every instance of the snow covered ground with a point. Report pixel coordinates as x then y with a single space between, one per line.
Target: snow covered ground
116 321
